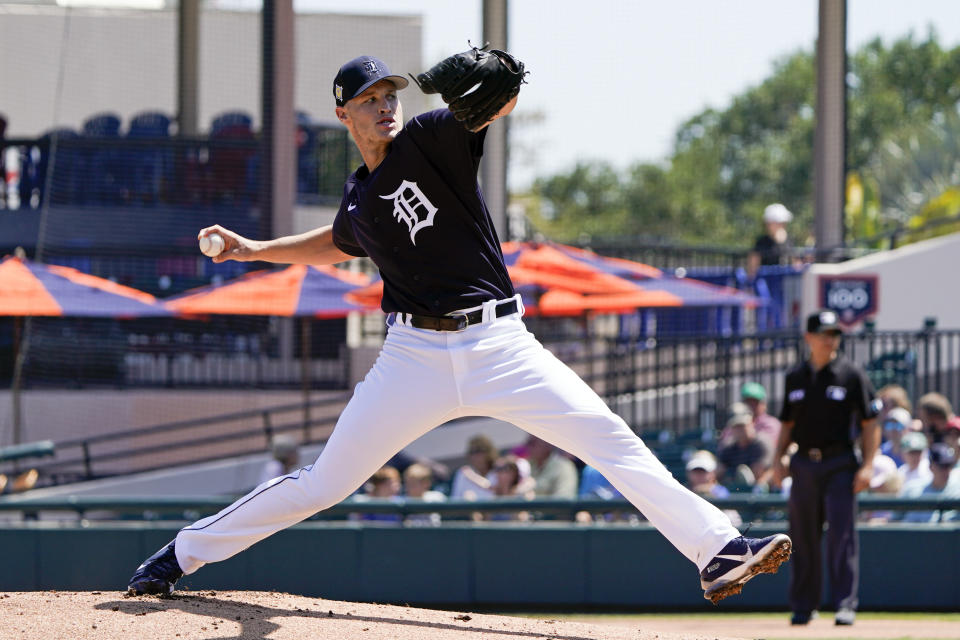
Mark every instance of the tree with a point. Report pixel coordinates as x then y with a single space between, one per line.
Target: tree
727 165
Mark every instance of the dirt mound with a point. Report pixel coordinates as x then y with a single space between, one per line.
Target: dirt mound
43 615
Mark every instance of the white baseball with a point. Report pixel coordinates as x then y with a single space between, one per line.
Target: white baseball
212 245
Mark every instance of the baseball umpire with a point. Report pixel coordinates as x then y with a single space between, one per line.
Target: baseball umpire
456 344
826 400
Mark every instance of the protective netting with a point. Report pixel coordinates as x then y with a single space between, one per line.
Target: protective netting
100 176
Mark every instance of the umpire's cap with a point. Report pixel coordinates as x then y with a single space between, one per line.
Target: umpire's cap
355 76
824 322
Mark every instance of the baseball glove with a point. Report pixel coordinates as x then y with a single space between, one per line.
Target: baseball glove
475 84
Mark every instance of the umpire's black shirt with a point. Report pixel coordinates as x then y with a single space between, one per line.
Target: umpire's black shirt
826 405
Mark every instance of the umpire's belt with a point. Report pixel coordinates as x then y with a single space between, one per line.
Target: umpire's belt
823 453
456 321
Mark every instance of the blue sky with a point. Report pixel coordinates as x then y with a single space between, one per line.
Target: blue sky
612 79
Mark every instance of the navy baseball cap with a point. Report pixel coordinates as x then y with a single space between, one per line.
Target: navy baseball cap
824 322
943 455
357 75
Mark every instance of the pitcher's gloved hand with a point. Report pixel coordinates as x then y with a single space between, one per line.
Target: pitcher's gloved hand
475 84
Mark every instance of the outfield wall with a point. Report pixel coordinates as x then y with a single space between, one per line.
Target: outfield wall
463 564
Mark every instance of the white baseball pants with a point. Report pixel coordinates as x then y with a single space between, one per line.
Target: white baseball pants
423 378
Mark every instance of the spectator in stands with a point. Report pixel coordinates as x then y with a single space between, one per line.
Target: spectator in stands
594 485
383 485
935 411
509 483
773 247
951 437
738 408
473 481
285 458
417 485
893 396
401 460
744 461
507 477
915 469
767 427
945 481
554 473
701 471
886 480
895 423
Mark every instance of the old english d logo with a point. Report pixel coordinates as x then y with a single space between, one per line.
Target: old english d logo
411 207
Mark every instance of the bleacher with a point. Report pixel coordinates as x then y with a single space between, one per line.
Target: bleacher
146 163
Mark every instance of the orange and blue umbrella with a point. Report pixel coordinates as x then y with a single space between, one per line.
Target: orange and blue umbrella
298 290
561 280
33 289
557 279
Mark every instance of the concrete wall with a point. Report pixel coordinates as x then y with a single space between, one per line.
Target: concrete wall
124 60
914 282
66 415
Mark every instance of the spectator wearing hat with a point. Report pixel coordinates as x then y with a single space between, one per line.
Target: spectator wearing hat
951 436
701 471
935 411
285 457
745 459
824 397
915 469
945 481
754 395
773 246
895 423
885 481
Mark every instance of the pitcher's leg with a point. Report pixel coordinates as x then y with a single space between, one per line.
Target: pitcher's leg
402 397
543 396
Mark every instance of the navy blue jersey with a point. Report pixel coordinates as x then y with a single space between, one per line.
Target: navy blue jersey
421 218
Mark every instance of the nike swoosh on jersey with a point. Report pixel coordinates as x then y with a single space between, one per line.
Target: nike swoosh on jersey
351 207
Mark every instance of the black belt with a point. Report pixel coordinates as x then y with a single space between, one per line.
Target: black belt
457 321
828 451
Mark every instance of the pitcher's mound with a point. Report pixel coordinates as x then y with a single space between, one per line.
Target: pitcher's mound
45 615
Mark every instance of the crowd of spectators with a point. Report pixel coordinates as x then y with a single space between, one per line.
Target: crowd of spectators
918 458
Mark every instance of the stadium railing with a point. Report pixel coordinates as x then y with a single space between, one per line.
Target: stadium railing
757 507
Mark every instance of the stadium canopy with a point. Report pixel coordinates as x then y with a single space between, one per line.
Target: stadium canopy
559 280
33 289
298 290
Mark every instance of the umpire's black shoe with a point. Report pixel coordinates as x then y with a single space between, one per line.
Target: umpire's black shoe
157 574
741 560
802 617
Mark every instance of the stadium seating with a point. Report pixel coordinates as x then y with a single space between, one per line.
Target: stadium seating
149 166
66 167
102 161
307 162
233 158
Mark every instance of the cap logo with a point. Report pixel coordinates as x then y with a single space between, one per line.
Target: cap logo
370 67
338 92
828 317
